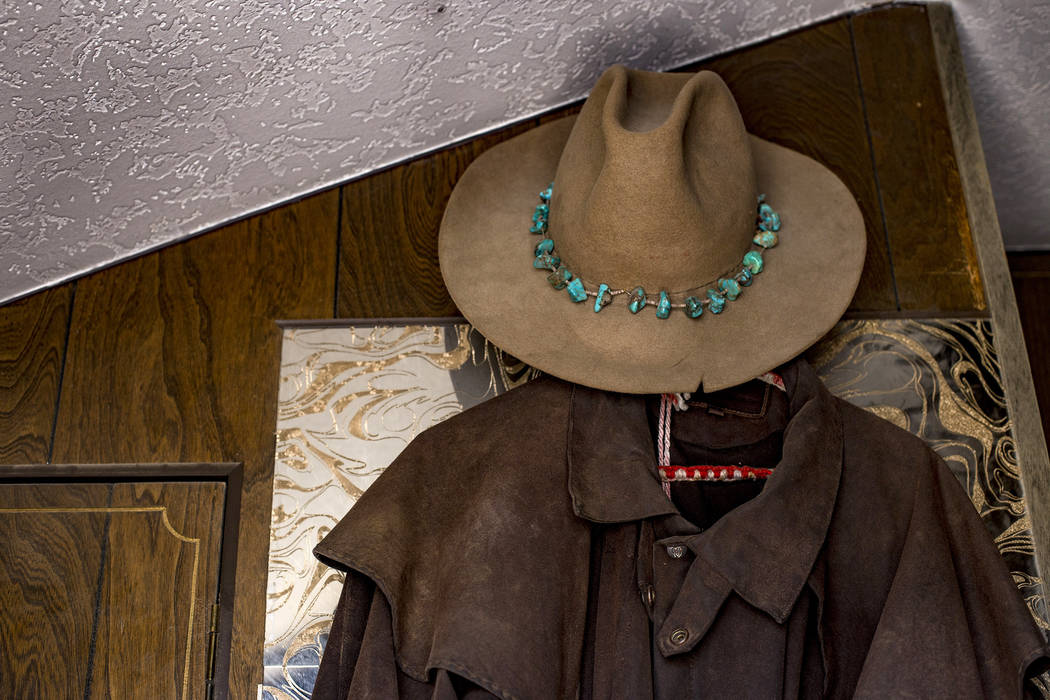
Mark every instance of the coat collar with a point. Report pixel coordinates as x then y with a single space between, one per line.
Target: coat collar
764 548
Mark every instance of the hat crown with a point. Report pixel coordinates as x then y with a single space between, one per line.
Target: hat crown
656 185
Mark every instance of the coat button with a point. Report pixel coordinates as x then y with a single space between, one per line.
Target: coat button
679 636
676 551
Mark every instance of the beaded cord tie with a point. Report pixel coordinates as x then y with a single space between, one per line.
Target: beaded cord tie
713 296
669 403
712 472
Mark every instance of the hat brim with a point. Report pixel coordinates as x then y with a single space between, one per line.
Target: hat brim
486 252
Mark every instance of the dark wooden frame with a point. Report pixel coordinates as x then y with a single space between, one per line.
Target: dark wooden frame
229 473
1021 401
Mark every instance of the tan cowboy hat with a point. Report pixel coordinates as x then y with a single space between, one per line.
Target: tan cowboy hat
656 185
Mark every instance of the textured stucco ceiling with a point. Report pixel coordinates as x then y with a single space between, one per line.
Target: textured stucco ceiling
127 125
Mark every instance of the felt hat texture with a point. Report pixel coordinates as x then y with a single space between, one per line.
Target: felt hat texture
656 183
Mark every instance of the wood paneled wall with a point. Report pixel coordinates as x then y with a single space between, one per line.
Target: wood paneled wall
174 356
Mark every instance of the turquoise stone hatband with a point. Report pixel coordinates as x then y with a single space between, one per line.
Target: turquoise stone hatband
714 296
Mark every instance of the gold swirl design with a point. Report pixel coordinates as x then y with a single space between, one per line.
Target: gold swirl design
888 365
350 400
1031 587
940 379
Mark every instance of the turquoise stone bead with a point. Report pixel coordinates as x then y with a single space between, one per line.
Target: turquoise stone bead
546 262
718 302
770 220
576 290
637 300
753 261
545 195
545 246
542 210
744 277
603 297
730 288
558 280
663 307
766 239
694 308
538 227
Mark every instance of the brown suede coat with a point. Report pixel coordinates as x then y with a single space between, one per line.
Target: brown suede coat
526 549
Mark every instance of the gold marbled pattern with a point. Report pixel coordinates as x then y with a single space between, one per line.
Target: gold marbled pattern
352 398
940 379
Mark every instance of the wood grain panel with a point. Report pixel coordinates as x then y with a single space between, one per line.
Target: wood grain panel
174 357
49 569
159 581
32 345
801 91
388 262
930 241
